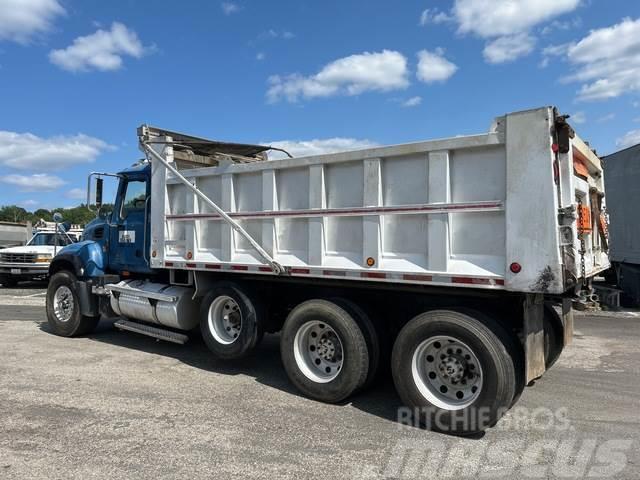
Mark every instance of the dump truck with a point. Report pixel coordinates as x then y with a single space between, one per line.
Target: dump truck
449 264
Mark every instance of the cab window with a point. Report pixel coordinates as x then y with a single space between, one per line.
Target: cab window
134 198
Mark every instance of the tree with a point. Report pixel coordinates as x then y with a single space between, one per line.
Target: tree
13 213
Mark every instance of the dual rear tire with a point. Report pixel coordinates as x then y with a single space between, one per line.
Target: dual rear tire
456 373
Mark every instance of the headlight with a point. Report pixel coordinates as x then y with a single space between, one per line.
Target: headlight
44 258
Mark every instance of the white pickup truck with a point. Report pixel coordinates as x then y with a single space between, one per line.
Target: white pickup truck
31 261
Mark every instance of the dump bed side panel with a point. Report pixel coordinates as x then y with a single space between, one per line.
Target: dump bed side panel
431 212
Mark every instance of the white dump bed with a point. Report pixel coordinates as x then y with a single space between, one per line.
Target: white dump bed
451 212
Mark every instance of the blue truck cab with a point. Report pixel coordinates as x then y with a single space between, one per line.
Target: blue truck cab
115 244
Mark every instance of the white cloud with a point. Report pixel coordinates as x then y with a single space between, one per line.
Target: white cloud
607 118
629 139
412 102
21 20
607 61
495 18
34 183
434 16
260 56
27 151
102 50
578 117
76 194
508 48
299 148
557 25
229 7
379 71
433 67
509 22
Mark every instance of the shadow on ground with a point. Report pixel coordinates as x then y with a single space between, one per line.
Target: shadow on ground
264 365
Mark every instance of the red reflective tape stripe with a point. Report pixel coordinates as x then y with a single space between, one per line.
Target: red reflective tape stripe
190 265
300 270
168 264
499 281
373 275
265 269
239 267
417 278
213 267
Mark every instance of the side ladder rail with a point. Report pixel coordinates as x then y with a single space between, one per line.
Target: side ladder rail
275 266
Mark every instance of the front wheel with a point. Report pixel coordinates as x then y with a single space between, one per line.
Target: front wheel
455 372
63 308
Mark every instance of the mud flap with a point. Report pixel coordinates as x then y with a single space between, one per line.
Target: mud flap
534 336
567 320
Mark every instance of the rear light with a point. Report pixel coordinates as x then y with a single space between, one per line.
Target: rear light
515 267
555 148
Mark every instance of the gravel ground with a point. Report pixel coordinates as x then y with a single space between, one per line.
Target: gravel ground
117 404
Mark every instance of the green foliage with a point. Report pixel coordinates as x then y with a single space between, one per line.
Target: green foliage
77 215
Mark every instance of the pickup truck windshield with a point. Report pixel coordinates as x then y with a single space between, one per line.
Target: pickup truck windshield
40 239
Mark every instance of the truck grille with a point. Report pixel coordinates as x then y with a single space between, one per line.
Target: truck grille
17 257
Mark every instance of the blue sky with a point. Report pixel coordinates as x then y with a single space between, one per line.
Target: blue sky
78 77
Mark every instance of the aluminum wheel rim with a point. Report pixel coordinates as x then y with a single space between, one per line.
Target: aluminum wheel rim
63 303
447 372
225 320
318 351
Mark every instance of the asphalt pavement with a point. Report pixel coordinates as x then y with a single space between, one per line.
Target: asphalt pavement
121 405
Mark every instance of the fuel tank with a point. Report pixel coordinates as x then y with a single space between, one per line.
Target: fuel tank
150 302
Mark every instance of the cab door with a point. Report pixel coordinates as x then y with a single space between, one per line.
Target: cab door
129 227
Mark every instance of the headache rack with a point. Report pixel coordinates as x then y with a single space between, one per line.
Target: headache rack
195 152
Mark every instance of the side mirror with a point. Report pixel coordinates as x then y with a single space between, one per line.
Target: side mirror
99 182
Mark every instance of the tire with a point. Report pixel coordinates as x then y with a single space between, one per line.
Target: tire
8 282
231 322
370 336
553 336
63 308
324 351
454 371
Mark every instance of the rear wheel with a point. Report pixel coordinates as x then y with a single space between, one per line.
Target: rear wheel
370 336
231 322
63 308
454 371
324 351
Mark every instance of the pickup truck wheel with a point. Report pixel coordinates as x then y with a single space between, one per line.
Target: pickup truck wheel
8 282
231 322
324 351
454 371
63 308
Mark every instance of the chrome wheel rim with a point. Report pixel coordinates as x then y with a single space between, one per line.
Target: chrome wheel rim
318 351
63 303
225 320
447 372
